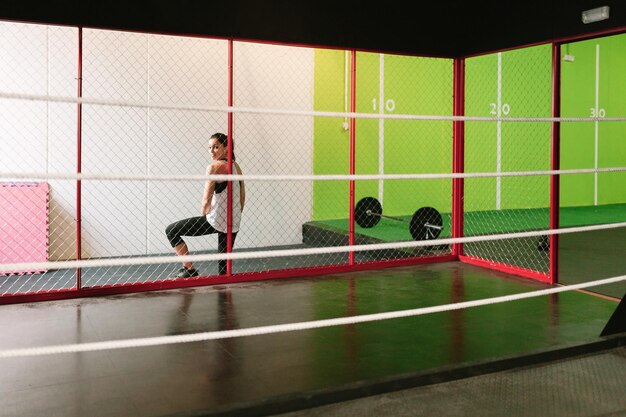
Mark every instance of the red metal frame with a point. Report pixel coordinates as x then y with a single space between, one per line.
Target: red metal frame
229 197
216 280
509 269
555 163
458 154
352 153
79 141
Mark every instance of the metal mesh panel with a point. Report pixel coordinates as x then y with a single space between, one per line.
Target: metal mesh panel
128 218
37 217
589 89
330 153
390 84
278 214
508 84
122 218
588 74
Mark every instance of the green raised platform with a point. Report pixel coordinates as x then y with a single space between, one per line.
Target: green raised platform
488 222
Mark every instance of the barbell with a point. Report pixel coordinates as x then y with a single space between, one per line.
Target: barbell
425 224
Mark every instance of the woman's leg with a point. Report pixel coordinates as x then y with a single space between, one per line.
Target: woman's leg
222 241
193 226
182 250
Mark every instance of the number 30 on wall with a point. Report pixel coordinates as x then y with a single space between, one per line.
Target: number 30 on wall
597 112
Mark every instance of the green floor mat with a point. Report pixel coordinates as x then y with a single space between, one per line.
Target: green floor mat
493 221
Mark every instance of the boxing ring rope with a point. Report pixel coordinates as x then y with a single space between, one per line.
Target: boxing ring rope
290 178
287 112
147 260
296 252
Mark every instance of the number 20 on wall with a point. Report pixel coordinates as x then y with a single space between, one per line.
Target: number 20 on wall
505 108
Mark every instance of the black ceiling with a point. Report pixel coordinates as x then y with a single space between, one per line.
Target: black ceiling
447 28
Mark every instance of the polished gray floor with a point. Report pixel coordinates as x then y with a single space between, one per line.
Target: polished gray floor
205 378
586 386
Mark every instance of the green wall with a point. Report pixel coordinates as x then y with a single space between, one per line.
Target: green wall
411 86
331 143
424 86
578 99
525 91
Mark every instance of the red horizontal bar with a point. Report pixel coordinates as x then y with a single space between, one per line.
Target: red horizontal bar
509 269
170 284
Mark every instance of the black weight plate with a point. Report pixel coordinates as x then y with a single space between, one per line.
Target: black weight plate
422 217
363 207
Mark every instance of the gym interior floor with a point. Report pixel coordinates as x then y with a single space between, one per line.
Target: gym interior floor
276 373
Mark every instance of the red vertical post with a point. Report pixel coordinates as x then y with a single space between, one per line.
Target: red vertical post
79 133
352 151
555 162
458 154
229 215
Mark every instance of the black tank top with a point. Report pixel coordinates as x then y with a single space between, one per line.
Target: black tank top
221 186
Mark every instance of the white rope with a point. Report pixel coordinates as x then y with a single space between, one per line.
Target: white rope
286 178
232 109
289 327
151 260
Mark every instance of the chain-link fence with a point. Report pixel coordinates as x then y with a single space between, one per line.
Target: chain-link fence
149 104
590 87
391 85
143 113
37 219
516 83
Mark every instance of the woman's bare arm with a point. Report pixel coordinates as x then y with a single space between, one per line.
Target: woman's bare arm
209 189
242 188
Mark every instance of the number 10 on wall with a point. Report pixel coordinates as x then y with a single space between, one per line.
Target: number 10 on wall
390 104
